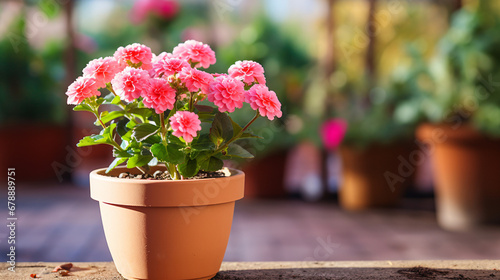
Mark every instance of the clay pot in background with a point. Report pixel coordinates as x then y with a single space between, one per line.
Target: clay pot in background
466 177
265 176
33 149
159 229
375 176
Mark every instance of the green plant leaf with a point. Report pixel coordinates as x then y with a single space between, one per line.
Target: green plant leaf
143 131
188 168
92 140
236 127
83 107
111 116
175 155
235 150
221 130
143 113
115 163
139 160
160 152
211 164
202 143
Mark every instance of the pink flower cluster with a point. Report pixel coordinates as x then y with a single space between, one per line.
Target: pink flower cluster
134 73
248 71
226 93
82 88
264 100
185 124
135 54
195 52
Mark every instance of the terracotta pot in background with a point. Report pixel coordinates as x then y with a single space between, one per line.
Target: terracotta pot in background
375 176
265 176
32 148
466 177
166 229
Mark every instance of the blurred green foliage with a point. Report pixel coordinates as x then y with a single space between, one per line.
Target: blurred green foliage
466 71
30 79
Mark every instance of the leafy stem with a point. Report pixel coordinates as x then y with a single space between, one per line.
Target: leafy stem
122 105
221 148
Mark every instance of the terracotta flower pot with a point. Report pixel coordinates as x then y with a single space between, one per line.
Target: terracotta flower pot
375 176
166 229
466 177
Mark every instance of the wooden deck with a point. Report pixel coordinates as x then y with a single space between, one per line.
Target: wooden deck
60 223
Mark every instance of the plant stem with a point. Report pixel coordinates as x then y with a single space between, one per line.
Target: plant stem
163 130
122 105
236 136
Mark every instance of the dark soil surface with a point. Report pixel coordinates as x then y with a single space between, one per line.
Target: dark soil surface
165 175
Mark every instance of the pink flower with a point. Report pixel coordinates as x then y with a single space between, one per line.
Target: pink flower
135 53
195 79
83 87
185 124
102 69
164 8
248 71
226 93
195 52
167 66
261 98
130 83
332 132
159 95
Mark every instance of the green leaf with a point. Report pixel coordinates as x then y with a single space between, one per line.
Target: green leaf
221 130
92 140
160 152
115 163
211 164
202 143
176 140
143 113
236 127
143 131
111 116
83 107
139 160
235 150
249 135
121 127
189 168
121 154
175 154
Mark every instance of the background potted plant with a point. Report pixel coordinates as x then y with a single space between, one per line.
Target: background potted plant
464 118
379 101
173 143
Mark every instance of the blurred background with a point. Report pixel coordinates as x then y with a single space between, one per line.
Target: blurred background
388 147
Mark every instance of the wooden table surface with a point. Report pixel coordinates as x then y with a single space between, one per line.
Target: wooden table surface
440 269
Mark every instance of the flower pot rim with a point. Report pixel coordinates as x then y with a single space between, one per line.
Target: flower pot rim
165 193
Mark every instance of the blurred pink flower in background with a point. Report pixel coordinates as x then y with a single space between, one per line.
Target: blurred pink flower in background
332 133
165 9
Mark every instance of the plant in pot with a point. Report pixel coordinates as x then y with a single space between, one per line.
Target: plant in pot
376 149
464 119
167 214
